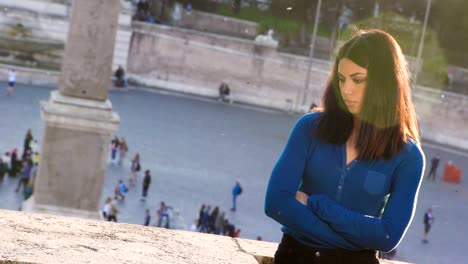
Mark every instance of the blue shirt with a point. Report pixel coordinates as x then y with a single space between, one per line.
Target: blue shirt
365 205
235 189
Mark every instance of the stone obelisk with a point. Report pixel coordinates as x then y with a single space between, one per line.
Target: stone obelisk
78 117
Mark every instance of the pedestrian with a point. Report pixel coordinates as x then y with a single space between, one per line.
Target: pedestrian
434 165
106 208
25 175
3 169
347 182
114 147
204 219
229 229
114 210
224 91
200 216
146 184
212 219
428 220
147 217
123 189
29 187
164 214
120 78
14 163
28 138
236 233
134 169
123 149
236 191
11 81
219 224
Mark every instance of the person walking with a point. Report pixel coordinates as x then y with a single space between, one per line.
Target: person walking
212 219
134 169
428 220
434 165
14 163
164 214
219 224
106 208
27 149
114 147
25 175
346 184
146 184
114 210
205 219
11 82
123 189
200 217
123 149
236 191
147 218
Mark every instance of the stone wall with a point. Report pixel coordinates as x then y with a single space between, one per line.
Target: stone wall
196 62
47 21
38 238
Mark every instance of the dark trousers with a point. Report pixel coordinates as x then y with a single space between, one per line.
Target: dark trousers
291 251
144 192
432 174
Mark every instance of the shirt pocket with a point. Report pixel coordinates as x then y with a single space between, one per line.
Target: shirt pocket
374 183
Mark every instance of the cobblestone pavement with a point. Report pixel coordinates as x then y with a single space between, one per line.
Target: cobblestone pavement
196 148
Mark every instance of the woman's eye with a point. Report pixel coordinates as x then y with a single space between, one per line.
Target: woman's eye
359 80
341 80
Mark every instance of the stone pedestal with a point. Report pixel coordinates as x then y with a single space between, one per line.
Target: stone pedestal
73 156
78 118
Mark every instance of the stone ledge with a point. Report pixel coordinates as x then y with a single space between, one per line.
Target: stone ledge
40 238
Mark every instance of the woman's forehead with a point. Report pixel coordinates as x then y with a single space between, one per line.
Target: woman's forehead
348 67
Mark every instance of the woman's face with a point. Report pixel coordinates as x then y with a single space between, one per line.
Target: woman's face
352 80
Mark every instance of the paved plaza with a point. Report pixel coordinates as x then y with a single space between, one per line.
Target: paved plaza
196 148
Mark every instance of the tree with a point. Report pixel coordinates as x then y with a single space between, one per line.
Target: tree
451 24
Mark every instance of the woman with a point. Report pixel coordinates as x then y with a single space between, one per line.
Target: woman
123 149
346 183
146 184
134 169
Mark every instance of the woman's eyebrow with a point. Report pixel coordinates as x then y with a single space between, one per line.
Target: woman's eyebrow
357 73
352 75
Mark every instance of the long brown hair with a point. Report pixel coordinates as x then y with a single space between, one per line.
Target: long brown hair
387 115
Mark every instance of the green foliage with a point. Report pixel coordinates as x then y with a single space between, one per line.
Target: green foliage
264 19
451 23
19 31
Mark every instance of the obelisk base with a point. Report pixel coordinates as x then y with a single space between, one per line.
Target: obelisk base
74 154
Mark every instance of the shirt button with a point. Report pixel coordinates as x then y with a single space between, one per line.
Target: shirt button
387 236
279 212
317 254
340 187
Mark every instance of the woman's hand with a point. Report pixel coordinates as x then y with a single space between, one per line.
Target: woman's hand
302 197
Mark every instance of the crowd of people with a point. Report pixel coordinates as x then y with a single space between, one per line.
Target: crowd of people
214 222
165 215
22 167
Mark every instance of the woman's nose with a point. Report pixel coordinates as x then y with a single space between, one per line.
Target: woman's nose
347 88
